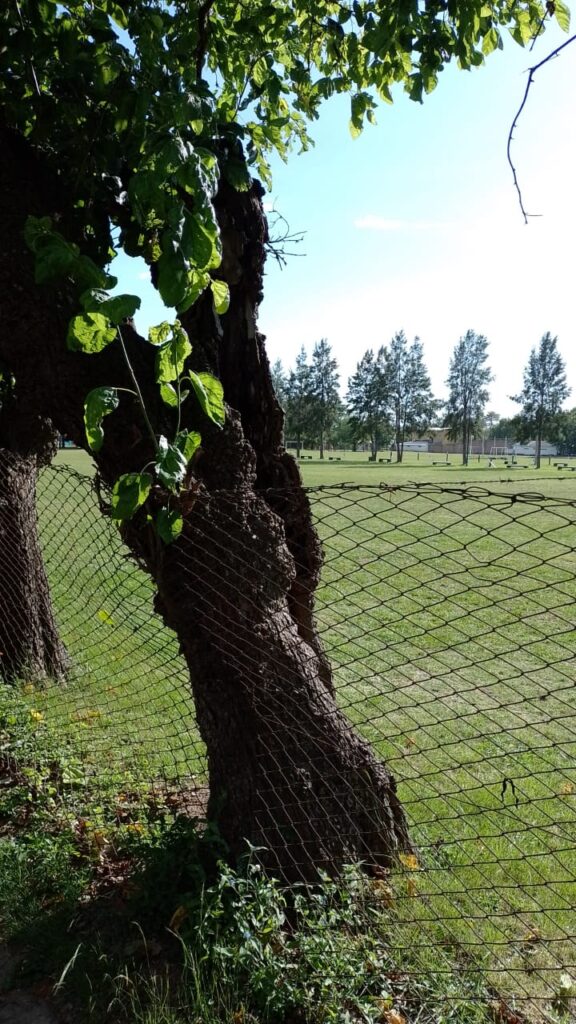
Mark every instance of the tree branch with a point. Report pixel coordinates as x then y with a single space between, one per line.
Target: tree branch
200 54
531 72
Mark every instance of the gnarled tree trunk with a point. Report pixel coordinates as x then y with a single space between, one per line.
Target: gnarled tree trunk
30 646
287 771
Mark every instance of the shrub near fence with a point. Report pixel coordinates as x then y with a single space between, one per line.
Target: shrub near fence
449 616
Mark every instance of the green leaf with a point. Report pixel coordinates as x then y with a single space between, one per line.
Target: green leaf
237 174
200 243
562 12
117 307
169 524
98 403
170 465
491 41
188 442
221 296
159 334
90 332
129 493
172 278
88 274
260 71
54 258
210 395
35 229
198 281
168 394
172 355
118 15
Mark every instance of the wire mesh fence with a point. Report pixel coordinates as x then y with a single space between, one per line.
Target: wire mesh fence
449 618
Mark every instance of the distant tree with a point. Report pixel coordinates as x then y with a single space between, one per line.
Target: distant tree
407 387
367 400
467 382
325 399
298 401
545 388
562 431
279 382
509 428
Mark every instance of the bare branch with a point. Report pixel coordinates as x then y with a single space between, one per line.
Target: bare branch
280 237
531 72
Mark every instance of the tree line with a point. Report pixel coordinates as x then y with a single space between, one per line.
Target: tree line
389 398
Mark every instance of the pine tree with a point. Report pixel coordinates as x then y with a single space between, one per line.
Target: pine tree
279 382
407 387
298 401
468 380
545 388
325 398
366 399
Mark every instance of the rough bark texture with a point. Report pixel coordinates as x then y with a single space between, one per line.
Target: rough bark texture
287 771
30 645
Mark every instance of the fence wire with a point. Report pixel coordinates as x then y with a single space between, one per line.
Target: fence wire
449 618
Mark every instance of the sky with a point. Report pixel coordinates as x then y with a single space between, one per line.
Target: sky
415 225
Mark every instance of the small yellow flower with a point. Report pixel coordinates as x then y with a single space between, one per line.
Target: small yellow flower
36 716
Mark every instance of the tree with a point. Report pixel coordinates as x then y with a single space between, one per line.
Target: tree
148 138
408 389
545 388
30 646
468 380
279 382
562 431
298 401
367 399
323 390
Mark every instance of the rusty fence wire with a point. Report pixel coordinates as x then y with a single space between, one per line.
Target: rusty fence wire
448 614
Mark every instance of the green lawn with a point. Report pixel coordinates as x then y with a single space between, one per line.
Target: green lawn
450 620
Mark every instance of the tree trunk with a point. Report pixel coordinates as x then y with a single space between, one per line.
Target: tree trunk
399 441
538 453
465 427
287 772
30 646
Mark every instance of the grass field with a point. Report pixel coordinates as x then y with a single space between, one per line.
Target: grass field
418 467
450 620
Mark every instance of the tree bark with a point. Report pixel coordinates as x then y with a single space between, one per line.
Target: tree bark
30 646
287 772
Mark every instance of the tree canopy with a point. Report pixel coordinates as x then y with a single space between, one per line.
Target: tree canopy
467 383
544 389
143 105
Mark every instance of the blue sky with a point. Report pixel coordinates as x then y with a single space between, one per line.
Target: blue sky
415 225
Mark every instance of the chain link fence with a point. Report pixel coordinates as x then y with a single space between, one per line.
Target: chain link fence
449 617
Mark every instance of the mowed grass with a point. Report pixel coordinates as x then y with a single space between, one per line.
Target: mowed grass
451 623
450 620
125 711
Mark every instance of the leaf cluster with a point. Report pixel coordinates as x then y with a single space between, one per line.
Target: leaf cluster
143 106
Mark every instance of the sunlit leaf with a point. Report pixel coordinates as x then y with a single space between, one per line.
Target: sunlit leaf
90 333
188 443
98 403
210 395
170 465
221 295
